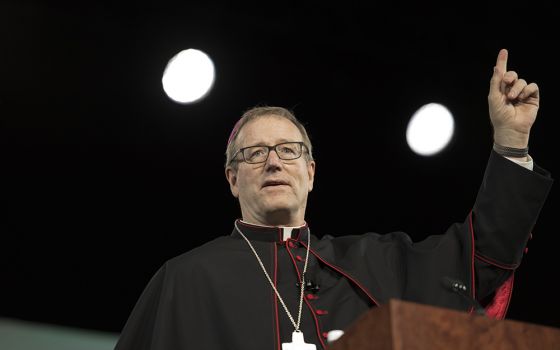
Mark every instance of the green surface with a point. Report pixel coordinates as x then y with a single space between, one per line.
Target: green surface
23 335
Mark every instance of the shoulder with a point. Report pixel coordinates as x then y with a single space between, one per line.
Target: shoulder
205 252
204 257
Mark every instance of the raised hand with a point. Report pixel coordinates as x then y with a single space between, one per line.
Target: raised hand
513 105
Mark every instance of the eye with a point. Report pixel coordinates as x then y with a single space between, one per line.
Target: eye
255 153
287 149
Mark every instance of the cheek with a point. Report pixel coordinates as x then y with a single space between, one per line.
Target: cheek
247 186
304 183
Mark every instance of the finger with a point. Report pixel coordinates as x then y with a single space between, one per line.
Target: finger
501 61
531 90
501 68
516 88
510 77
496 83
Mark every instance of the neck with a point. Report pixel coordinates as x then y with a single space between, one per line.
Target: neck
276 219
274 223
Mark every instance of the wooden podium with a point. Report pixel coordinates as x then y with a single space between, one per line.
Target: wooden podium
400 325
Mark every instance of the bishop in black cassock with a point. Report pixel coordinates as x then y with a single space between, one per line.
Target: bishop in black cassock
217 296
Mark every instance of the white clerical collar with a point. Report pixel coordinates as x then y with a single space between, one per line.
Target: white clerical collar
286 230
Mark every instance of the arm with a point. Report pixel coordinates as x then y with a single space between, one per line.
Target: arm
512 104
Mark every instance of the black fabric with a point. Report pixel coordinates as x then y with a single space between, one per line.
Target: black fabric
217 297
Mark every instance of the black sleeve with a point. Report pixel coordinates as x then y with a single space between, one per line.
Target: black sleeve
484 250
506 209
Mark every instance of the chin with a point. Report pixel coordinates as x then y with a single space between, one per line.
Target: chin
279 203
278 207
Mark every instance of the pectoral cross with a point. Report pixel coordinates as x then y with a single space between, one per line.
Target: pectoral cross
298 343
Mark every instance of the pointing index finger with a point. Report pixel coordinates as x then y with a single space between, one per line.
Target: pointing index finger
501 62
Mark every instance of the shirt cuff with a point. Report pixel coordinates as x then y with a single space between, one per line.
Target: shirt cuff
524 163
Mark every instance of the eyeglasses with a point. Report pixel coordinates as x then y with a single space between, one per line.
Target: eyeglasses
259 154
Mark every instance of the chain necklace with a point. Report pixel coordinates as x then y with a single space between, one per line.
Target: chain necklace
297 335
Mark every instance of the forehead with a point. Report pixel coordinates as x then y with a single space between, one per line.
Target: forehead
268 130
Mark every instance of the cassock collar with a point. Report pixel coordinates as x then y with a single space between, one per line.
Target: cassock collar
270 233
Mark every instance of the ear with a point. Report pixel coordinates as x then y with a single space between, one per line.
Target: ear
311 174
231 176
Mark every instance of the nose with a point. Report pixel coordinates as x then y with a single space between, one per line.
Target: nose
273 160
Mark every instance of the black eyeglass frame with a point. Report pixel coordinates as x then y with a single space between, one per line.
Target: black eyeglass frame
270 148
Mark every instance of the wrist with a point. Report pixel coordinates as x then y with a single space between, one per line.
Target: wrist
511 139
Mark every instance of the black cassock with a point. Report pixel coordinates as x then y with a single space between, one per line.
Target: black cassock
216 296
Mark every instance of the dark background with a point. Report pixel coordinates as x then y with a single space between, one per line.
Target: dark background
104 177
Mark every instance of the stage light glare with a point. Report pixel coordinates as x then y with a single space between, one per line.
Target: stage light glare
188 76
430 129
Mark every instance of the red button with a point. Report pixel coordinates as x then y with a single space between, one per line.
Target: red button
299 258
321 312
311 297
325 335
526 250
291 244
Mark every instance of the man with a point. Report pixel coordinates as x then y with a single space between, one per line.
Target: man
273 285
